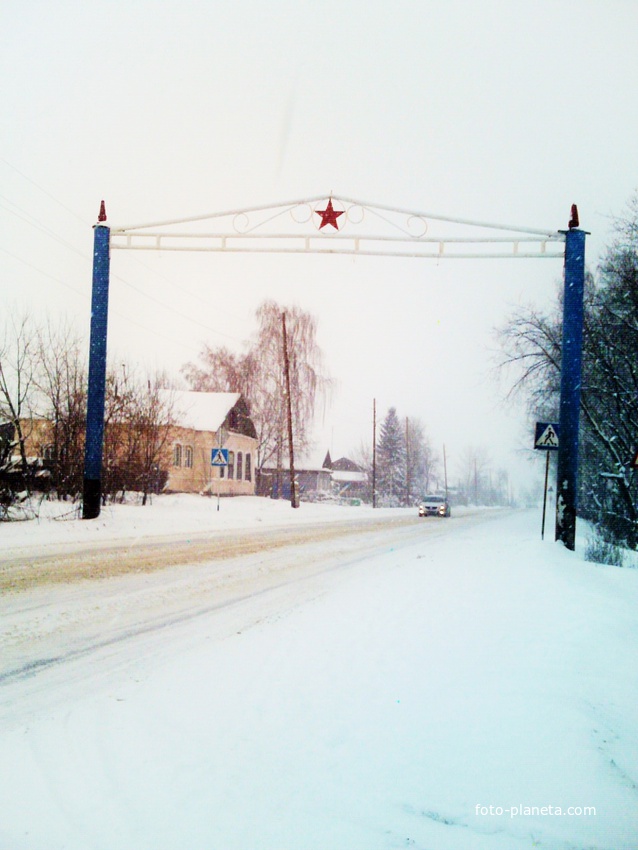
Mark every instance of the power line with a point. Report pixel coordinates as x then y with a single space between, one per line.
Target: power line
88 297
45 274
28 219
172 309
44 192
33 222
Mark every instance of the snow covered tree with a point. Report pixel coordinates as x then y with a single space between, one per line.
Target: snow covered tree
422 465
532 343
391 457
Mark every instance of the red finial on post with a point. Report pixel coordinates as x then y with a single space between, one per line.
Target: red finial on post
573 222
102 215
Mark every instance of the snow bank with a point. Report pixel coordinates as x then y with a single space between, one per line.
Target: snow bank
60 522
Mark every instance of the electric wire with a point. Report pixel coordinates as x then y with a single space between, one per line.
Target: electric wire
86 296
35 223
30 220
44 192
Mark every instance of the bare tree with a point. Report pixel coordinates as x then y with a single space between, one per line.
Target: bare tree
17 382
474 470
422 462
258 374
61 381
222 371
154 415
362 456
139 414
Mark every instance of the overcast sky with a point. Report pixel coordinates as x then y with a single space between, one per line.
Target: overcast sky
493 111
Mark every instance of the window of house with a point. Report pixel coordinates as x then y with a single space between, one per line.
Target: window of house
248 473
231 464
240 465
177 455
48 452
188 456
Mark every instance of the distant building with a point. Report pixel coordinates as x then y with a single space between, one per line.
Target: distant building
348 478
340 478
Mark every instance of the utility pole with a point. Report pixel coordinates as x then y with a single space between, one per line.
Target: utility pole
407 463
374 452
294 499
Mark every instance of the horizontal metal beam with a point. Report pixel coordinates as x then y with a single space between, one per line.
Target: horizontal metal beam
339 244
434 255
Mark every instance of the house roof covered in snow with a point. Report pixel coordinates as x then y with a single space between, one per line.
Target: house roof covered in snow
345 475
203 411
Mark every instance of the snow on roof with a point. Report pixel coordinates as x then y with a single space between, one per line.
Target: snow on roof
348 475
203 411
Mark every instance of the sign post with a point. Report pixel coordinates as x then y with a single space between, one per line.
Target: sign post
546 439
218 457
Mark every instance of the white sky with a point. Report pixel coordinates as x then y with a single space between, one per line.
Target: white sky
495 111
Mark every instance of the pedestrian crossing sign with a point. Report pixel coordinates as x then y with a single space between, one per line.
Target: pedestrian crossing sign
219 457
546 436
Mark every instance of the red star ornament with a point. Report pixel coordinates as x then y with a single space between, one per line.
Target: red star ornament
329 215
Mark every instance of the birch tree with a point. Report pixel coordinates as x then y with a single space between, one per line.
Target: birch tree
258 374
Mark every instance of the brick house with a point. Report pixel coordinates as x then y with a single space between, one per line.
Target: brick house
203 420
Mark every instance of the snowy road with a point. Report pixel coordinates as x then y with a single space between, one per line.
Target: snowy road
66 603
378 689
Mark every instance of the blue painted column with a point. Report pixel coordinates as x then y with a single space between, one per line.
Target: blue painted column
97 370
570 384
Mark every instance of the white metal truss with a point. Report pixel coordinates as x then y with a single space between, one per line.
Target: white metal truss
337 225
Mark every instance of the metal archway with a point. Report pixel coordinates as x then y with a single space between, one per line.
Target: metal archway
335 224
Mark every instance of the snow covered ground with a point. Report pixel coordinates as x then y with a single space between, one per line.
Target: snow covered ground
445 685
59 523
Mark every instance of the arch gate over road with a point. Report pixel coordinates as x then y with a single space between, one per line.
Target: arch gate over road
334 224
